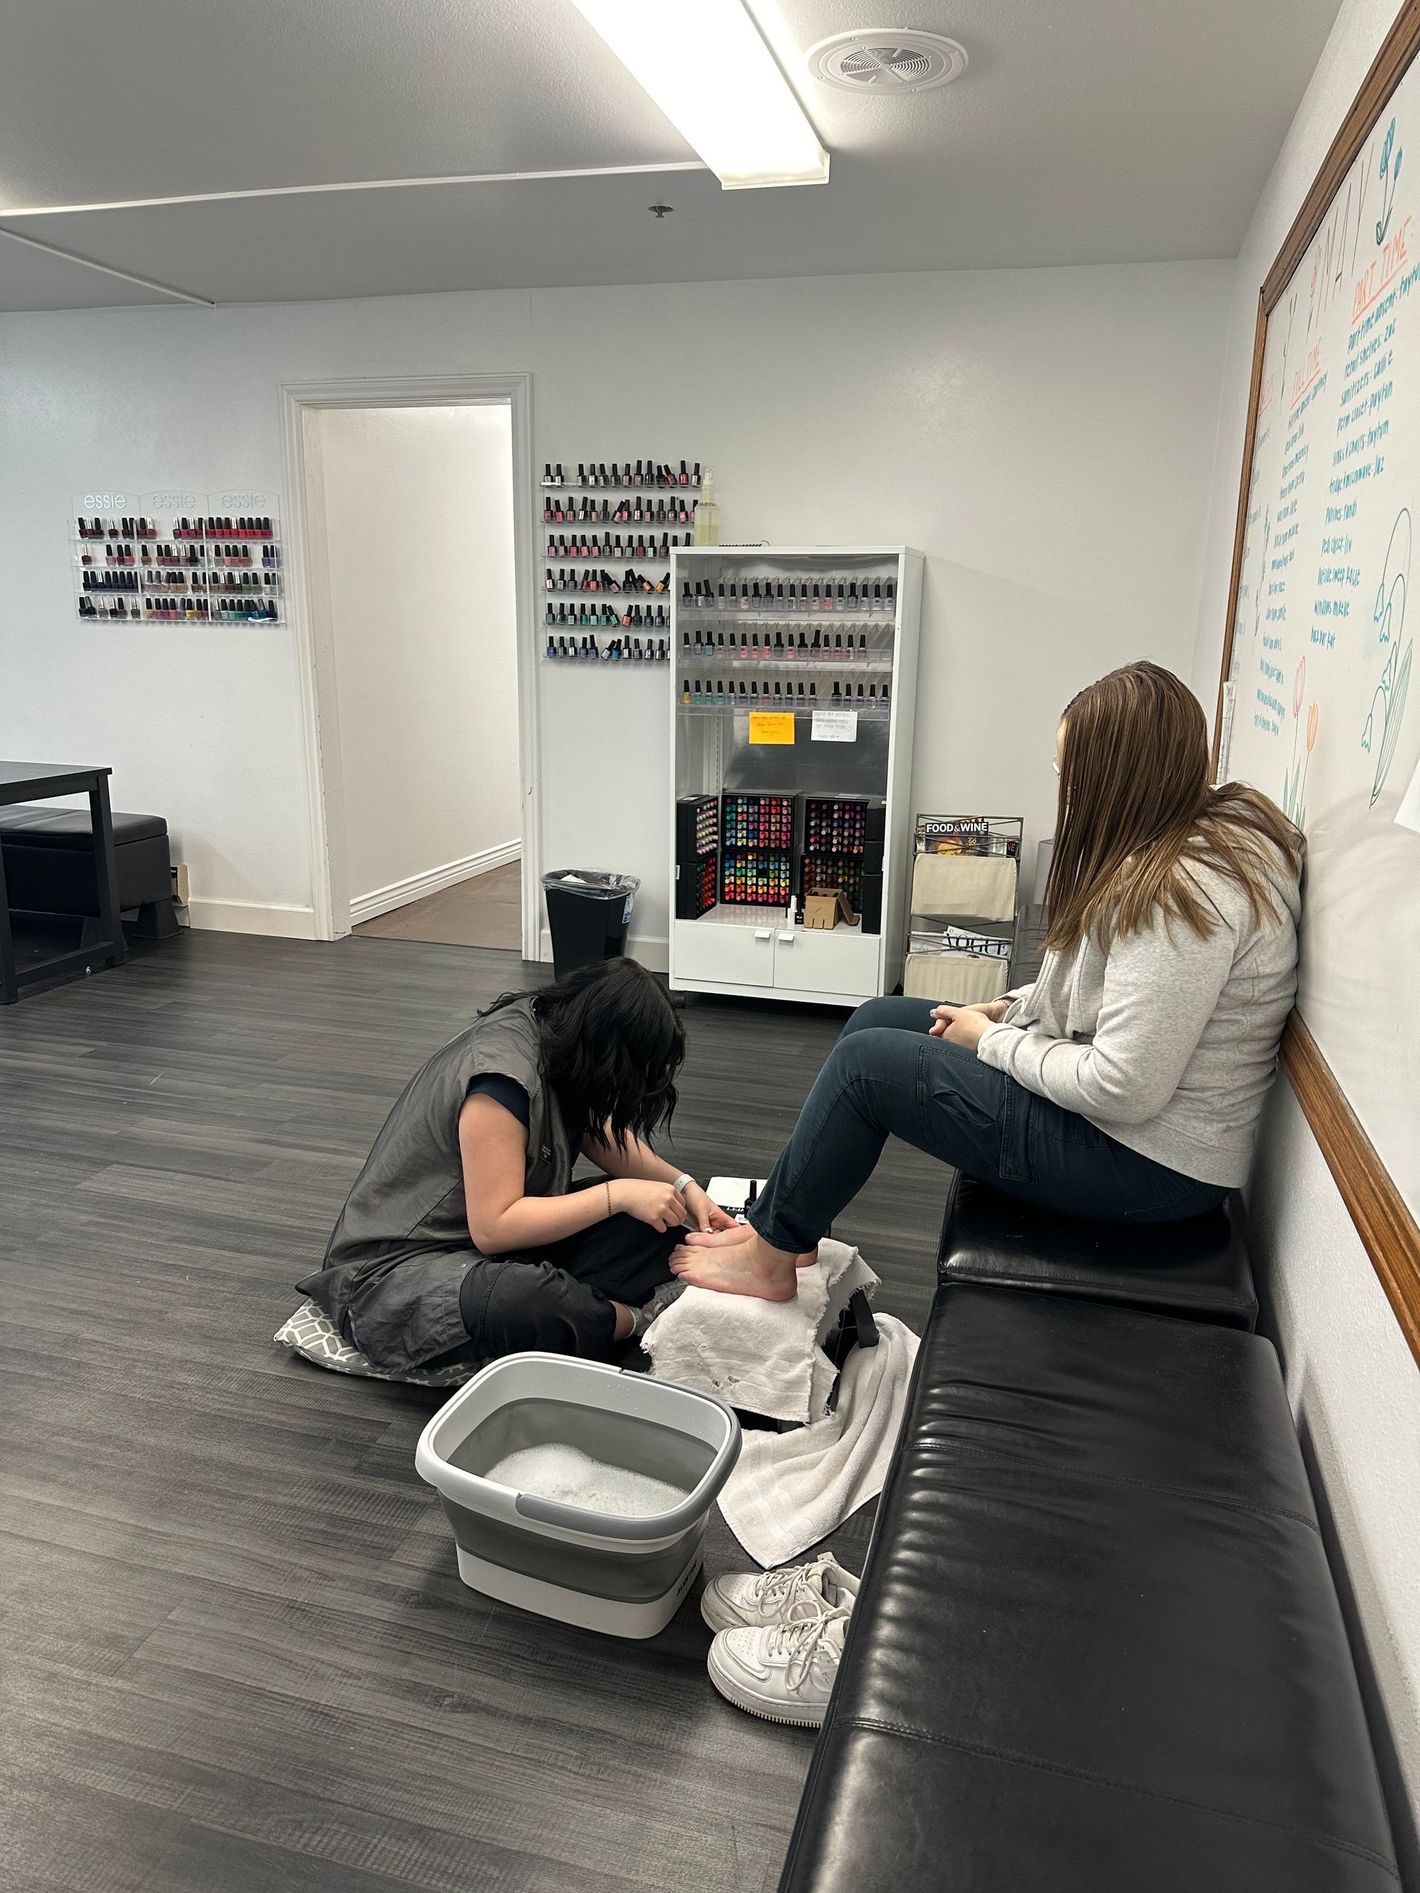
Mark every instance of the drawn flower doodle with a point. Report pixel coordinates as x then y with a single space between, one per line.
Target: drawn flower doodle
1382 729
1390 177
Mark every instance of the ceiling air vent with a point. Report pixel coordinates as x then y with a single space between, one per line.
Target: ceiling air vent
887 60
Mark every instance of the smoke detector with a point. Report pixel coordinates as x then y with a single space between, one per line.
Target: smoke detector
887 60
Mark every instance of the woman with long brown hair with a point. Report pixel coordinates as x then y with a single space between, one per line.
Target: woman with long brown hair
1127 1082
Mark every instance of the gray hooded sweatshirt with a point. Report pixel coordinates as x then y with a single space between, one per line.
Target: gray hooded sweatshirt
1166 1042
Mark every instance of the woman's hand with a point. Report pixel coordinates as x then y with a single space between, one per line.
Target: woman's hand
965 1025
703 1211
659 1204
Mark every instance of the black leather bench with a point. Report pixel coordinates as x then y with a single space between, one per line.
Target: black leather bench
49 866
1197 1268
1098 1647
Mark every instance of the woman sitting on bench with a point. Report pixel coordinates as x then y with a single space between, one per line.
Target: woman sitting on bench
464 1237
1127 1082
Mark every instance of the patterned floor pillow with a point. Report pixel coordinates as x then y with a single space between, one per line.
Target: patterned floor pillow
312 1334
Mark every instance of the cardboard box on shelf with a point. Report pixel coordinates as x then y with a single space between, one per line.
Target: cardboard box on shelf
824 907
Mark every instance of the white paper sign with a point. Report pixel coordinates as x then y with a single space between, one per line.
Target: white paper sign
835 726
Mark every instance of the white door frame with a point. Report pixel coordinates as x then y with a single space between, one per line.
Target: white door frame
311 619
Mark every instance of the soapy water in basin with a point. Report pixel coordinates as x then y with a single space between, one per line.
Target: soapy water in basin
622 1466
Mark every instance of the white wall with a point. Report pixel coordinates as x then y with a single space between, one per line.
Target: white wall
1044 436
418 507
1354 1385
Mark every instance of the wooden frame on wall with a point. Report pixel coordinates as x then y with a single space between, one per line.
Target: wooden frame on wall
1382 1218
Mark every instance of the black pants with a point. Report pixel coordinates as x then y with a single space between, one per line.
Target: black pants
559 1301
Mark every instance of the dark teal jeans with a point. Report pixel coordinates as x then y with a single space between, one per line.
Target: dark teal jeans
887 1078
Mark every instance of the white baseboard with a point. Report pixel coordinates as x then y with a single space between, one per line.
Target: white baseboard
248 916
433 881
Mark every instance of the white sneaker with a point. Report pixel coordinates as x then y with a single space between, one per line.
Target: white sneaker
782 1672
755 1599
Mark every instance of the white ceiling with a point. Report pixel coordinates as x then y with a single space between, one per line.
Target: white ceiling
1098 131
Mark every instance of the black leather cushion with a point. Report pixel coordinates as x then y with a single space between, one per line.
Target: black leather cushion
1097 1647
1198 1267
71 827
49 859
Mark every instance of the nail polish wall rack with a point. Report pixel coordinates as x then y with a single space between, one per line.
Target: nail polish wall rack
193 558
828 747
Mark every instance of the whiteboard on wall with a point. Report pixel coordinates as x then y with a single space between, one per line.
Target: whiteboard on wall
1321 704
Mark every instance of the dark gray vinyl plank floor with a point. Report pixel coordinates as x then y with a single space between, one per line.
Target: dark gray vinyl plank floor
234 1651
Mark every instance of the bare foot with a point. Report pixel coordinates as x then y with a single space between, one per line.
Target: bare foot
732 1239
747 1267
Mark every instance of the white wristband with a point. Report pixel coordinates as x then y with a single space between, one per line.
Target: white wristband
682 1180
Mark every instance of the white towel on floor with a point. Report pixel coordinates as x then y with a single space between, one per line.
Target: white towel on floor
761 1356
789 1490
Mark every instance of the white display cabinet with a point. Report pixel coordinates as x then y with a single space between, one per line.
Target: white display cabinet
793 678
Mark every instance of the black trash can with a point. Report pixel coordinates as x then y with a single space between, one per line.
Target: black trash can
588 913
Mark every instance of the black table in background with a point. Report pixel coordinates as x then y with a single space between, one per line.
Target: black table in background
36 782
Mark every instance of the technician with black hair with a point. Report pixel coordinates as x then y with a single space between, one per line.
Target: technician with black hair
463 1236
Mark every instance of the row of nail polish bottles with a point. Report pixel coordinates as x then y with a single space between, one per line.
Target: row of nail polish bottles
614 651
594 546
678 510
654 473
603 581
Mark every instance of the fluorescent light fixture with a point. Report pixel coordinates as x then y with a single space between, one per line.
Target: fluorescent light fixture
705 64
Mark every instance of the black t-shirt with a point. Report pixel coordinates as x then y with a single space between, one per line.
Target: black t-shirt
505 1091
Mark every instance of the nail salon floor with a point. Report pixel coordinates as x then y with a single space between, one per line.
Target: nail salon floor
237 1658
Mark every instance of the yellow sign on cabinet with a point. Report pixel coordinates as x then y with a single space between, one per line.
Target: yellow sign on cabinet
771 726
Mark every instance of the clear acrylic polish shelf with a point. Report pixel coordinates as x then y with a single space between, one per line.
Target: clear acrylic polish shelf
806 751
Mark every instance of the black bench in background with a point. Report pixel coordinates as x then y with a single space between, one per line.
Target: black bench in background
1098 1647
49 867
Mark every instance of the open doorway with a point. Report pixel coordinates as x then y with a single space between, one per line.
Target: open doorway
423 819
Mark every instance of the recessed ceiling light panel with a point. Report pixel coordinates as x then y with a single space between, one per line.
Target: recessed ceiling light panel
887 60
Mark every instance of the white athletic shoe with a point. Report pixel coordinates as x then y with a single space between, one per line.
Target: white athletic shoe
782 1672
755 1599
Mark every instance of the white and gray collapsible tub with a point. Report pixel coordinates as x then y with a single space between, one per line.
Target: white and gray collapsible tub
622 1575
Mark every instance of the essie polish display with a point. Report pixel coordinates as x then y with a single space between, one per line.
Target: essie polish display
178 558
